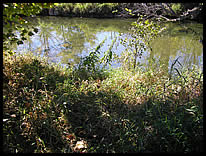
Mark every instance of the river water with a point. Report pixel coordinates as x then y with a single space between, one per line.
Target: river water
65 40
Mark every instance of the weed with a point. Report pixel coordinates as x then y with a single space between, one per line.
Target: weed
48 108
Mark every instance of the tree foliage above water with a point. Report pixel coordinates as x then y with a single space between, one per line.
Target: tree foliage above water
13 14
142 33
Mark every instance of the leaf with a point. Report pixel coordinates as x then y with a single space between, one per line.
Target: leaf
126 9
146 22
23 38
24 111
189 111
36 30
30 33
193 107
24 31
4 120
13 115
19 42
70 137
80 145
114 11
5 5
27 105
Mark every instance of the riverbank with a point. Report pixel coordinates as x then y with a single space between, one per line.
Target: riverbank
49 109
93 10
174 12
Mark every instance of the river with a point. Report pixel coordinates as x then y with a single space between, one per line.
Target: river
65 40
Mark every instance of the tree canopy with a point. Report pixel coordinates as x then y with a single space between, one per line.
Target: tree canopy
12 20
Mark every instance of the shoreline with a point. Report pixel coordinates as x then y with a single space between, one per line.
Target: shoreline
109 11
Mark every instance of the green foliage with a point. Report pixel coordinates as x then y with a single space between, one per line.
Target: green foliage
129 11
142 33
108 55
29 87
90 66
13 19
48 109
85 9
177 8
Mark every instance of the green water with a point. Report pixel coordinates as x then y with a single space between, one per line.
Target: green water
65 40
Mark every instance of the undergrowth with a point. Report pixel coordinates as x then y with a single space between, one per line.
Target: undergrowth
87 9
48 108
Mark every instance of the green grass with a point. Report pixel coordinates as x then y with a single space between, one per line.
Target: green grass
49 109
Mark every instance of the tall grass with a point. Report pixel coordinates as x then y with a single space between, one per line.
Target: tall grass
48 109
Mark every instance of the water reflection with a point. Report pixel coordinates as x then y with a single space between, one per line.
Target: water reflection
66 40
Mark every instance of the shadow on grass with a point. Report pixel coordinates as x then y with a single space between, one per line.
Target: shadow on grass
28 112
109 125
31 92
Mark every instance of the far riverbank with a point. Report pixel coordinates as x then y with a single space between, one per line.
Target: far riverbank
124 10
